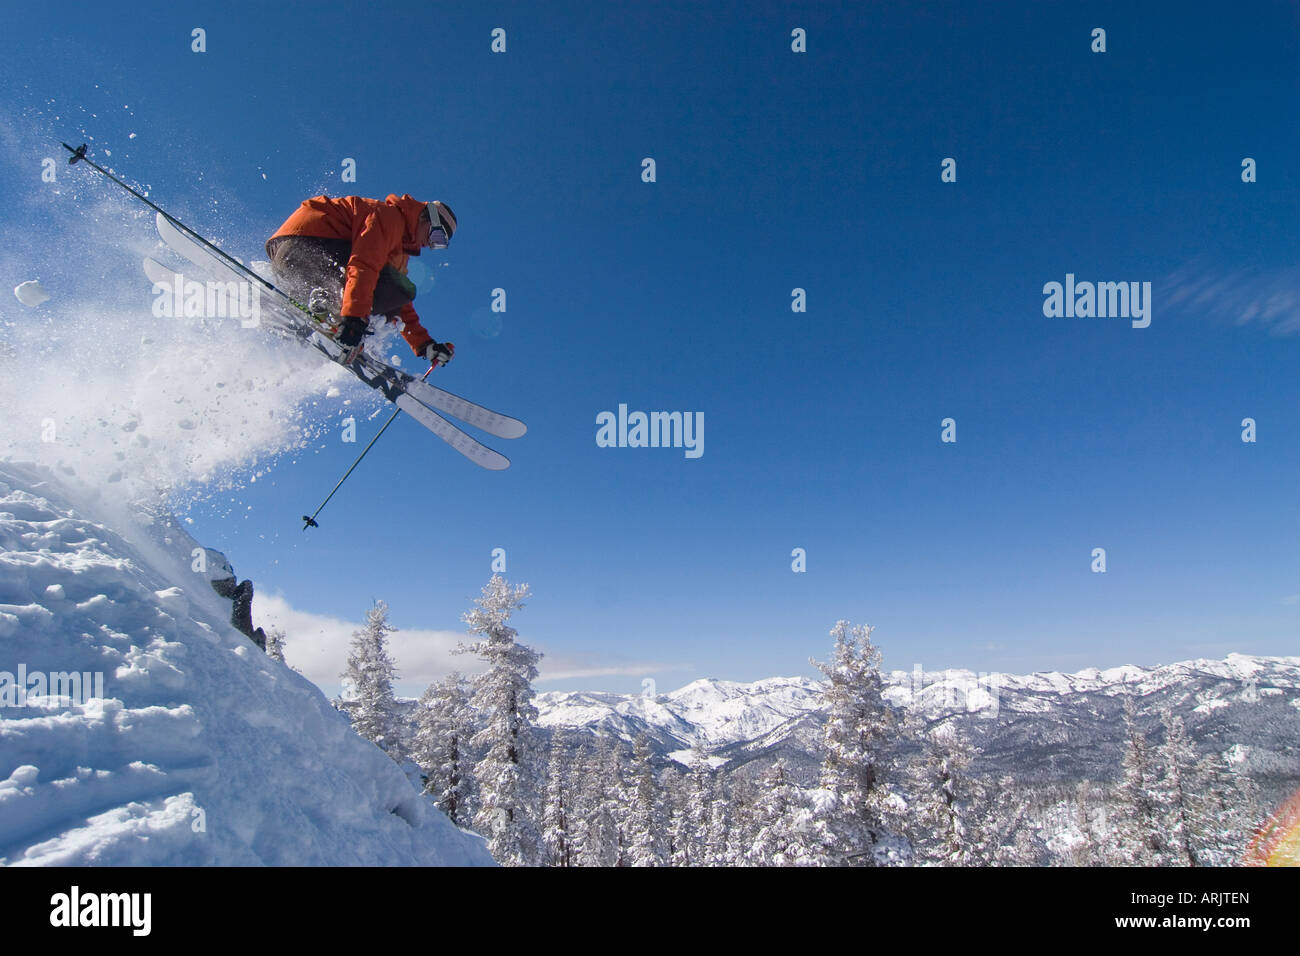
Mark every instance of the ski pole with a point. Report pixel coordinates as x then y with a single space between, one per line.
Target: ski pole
309 521
79 155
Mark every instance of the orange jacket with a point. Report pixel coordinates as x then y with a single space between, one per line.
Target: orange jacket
381 233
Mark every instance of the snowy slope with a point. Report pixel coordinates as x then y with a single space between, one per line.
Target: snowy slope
202 750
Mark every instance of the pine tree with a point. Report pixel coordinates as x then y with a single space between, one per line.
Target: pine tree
583 799
945 820
1016 837
507 775
1232 811
645 844
698 823
1213 807
275 641
676 819
557 837
1182 790
777 840
859 726
443 728
718 832
601 805
743 801
1138 814
684 831
616 802
369 677
1088 850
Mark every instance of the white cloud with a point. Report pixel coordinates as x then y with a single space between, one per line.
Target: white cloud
1269 298
317 644
563 670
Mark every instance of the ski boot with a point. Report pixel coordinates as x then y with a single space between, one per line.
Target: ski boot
320 306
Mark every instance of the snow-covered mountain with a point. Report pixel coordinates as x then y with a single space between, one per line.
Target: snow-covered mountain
712 715
1043 727
137 726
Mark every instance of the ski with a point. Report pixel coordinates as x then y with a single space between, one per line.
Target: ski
419 399
484 419
472 449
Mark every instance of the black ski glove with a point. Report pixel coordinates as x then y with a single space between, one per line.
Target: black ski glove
438 353
353 331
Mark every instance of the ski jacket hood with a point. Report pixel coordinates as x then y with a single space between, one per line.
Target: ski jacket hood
411 210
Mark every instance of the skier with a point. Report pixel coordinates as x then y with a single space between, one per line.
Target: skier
346 258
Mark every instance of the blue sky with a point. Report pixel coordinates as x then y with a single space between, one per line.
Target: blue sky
775 170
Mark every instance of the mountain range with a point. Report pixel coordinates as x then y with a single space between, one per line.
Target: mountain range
1045 727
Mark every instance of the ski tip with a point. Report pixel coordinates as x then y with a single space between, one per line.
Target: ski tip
509 428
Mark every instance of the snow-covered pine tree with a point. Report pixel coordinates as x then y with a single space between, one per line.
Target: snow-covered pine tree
1087 850
1231 808
948 800
582 803
369 679
1137 815
1219 805
742 801
777 839
720 821
275 644
1183 789
1016 836
617 800
699 812
644 819
557 837
444 725
855 744
507 776
676 839
600 805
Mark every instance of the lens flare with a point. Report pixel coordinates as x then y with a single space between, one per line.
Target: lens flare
1278 841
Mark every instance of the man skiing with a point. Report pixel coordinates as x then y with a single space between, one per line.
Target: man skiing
346 259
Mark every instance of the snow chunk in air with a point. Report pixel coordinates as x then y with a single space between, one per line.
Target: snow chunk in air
31 293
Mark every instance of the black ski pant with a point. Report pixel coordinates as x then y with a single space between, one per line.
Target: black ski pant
304 263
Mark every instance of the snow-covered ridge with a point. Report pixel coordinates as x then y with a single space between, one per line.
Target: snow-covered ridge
708 713
717 712
201 749
1049 724
1138 680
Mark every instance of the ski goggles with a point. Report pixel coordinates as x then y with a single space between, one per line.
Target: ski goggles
437 238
